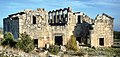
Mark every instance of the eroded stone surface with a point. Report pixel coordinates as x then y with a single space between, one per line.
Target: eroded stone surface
45 26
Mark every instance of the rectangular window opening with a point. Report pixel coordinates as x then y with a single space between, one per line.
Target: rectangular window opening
101 41
79 17
34 20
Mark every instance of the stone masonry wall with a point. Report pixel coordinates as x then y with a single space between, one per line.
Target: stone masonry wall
44 26
103 28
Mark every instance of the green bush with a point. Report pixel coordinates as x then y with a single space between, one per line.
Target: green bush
8 40
72 45
54 49
25 43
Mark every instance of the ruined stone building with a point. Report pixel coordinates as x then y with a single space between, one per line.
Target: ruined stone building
57 26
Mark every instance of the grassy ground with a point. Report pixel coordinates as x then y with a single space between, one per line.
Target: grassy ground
105 52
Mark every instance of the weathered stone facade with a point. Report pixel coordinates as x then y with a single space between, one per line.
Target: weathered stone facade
57 26
103 29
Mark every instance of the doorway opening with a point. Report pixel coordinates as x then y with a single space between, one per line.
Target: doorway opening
101 41
58 40
36 42
79 39
82 41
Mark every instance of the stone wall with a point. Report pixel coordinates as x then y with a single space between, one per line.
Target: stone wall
45 26
35 23
103 28
62 26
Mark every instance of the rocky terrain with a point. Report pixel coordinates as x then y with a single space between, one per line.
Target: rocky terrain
84 52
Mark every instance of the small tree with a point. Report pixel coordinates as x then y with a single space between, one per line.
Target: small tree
8 40
72 45
25 43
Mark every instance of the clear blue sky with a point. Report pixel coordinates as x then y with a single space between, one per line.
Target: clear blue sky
89 7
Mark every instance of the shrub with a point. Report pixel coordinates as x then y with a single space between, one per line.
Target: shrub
72 45
8 40
54 49
25 43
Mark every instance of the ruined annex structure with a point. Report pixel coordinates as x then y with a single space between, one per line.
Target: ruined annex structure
57 26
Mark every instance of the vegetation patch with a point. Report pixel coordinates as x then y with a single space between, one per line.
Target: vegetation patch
8 40
25 43
54 49
72 45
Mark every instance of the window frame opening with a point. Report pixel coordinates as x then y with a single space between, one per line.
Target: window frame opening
78 19
34 20
101 41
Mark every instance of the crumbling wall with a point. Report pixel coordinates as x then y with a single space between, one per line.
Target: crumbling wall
62 23
103 28
44 26
35 23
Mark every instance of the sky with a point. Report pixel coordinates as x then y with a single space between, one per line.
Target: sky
89 7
